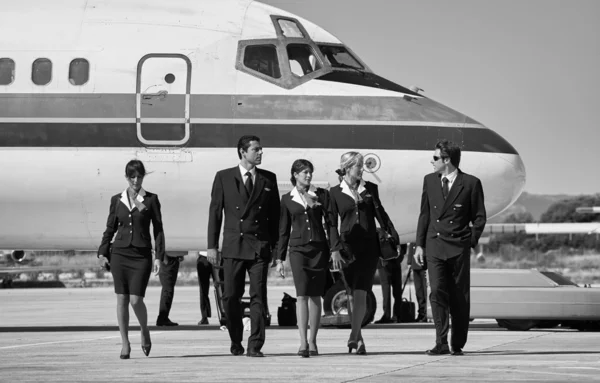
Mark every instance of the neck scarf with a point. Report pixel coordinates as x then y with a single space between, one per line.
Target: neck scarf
133 199
311 201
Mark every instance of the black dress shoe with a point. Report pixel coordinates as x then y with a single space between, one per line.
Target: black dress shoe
236 349
457 351
383 319
166 322
439 349
203 321
254 354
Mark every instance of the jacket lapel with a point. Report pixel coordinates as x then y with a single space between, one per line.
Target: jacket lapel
239 183
457 186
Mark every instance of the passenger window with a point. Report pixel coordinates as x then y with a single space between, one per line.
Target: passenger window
263 59
79 71
7 71
289 28
302 59
41 71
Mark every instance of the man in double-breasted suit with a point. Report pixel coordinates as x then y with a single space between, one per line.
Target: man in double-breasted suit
249 198
451 201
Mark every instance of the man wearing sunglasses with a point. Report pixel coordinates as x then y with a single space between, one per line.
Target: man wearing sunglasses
450 203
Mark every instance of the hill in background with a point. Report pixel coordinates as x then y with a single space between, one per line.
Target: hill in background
536 204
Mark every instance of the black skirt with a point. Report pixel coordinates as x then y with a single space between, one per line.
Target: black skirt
131 268
360 273
309 264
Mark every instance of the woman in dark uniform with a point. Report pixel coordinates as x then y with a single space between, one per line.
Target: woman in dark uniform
354 202
302 213
130 255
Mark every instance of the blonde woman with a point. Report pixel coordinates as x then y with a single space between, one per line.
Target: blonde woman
354 203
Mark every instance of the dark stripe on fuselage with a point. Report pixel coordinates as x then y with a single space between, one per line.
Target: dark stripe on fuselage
387 137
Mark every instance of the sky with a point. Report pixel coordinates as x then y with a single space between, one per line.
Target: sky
528 69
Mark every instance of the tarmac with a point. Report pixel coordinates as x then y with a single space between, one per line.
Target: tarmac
70 335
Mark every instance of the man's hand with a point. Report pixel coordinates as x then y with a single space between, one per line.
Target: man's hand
419 254
213 257
280 268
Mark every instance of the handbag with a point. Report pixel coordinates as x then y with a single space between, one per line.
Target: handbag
387 243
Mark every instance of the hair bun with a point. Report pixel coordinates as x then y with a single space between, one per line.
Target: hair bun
341 172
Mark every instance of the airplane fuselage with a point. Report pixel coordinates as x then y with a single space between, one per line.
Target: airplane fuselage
95 84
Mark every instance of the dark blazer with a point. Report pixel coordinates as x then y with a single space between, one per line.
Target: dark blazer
357 220
305 224
132 228
443 228
251 225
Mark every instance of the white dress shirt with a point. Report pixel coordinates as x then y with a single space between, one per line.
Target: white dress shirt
252 171
451 177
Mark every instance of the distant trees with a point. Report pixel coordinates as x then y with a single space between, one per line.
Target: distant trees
561 211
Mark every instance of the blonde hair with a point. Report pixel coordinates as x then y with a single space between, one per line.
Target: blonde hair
348 160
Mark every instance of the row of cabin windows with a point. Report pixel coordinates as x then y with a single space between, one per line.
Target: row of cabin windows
41 71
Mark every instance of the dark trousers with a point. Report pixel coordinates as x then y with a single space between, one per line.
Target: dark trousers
450 282
204 269
168 277
420 281
234 285
390 275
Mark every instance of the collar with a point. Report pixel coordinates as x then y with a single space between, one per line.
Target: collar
346 189
451 177
125 198
296 197
244 171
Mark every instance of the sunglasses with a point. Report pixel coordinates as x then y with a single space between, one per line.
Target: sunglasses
436 158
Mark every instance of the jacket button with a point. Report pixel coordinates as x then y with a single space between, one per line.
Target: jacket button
129 215
451 222
309 228
260 207
256 221
241 220
437 234
435 207
306 220
256 235
241 233
437 220
237 207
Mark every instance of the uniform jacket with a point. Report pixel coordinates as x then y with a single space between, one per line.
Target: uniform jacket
251 224
443 228
357 219
131 226
304 222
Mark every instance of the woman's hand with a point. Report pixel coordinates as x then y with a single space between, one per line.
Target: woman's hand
280 268
156 267
337 260
104 263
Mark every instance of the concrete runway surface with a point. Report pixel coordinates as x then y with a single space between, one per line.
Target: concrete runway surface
70 335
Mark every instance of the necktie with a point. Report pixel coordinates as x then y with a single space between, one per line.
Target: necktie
445 187
249 184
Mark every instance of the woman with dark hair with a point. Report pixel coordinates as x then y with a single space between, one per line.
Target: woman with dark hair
302 212
356 203
129 257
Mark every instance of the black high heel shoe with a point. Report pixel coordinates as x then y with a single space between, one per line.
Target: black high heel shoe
352 344
361 349
314 352
125 356
304 353
146 348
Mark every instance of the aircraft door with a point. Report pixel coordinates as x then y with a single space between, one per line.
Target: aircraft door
163 99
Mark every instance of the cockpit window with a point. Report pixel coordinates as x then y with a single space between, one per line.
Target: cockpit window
339 57
263 59
302 59
290 28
